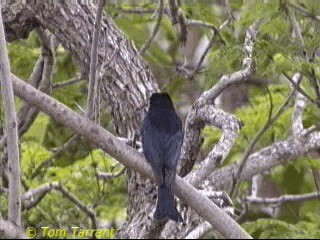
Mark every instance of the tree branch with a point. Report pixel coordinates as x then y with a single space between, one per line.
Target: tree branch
11 131
108 176
229 124
76 79
127 156
147 44
283 199
274 155
230 127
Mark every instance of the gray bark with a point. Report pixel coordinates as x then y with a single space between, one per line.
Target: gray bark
129 157
11 131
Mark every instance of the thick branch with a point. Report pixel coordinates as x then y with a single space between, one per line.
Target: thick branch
274 155
127 156
230 127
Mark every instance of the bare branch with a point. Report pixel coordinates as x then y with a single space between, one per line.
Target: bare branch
300 90
11 131
91 214
76 79
242 75
274 155
230 127
127 156
147 44
177 17
31 198
35 195
108 176
283 199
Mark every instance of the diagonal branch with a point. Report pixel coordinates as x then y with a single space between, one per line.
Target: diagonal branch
127 156
269 157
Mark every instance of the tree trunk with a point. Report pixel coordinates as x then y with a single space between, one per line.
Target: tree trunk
127 80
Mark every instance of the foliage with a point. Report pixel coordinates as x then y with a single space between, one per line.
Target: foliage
272 228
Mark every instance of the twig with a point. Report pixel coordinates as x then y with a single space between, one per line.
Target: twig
147 44
298 34
136 11
41 191
304 12
108 176
177 16
48 162
76 79
89 212
300 90
215 32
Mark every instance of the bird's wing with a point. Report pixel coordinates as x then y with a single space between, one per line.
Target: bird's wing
171 154
151 142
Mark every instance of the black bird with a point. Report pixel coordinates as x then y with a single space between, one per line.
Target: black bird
162 138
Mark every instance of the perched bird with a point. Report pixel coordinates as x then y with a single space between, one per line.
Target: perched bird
162 138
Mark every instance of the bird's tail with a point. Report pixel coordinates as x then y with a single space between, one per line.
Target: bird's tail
165 205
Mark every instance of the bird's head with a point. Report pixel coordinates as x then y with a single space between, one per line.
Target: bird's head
161 99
